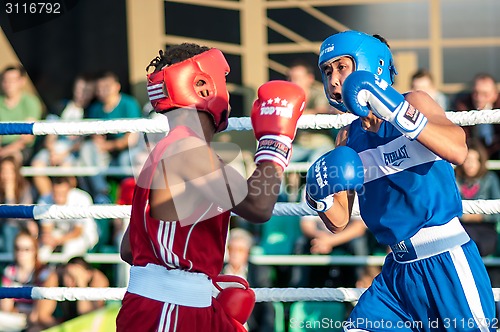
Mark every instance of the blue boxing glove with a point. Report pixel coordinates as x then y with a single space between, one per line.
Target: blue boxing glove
338 170
362 91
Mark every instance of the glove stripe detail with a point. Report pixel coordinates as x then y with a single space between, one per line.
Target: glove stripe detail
269 143
271 158
274 148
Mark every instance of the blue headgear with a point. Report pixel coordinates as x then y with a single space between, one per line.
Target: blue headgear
368 53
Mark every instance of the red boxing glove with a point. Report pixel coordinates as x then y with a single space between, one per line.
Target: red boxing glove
235 296
275 113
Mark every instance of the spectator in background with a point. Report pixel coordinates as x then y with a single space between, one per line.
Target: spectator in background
238 250
74 236
27 270
484 96
320 241
14 189
239 244
76 108
17 105
76 273
310 144
422 80
79 273
111 149
302 74
63 150
476 182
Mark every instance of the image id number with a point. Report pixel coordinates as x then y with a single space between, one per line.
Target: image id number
33 8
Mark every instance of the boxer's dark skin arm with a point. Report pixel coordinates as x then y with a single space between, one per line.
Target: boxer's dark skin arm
209 179
125 250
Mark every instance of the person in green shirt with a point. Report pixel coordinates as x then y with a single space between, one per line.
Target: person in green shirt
17 105
111 149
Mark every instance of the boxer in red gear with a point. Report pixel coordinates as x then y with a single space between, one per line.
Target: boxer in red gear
185 193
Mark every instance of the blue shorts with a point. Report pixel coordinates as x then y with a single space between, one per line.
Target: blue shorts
448 291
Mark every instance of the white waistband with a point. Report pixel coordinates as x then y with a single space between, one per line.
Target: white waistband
430 241
171 286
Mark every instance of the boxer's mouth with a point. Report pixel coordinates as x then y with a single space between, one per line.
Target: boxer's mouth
337 97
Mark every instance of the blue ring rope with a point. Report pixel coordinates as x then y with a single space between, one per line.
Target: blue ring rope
17 211
16 293
13 128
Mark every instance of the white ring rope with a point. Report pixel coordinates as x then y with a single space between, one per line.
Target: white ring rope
80 212
75 293
159 124
307 121
470 118
481 206
103 211
307 294
261 294
328 121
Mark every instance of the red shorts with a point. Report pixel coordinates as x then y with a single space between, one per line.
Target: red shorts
142 314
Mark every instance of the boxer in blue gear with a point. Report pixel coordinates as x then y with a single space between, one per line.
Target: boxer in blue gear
434 279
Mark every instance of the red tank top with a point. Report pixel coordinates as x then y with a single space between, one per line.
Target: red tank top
197 247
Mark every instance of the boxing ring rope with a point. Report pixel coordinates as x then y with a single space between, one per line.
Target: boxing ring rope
156 125
117 293
42 211
159 124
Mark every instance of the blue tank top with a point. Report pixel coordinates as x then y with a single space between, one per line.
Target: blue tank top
407 187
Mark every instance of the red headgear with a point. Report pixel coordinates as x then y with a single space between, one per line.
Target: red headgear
178 85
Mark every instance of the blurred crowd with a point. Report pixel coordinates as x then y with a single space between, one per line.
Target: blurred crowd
31 243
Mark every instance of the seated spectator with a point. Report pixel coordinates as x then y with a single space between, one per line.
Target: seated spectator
17 105
484 96
76 108
111 149
76 273
72 236
310 144
422 80
238 250
239 245
27 270
14 189
319 240
79 273
322 241
63 150
476 182
302 73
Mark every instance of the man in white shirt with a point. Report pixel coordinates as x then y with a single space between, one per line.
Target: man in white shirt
74 236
